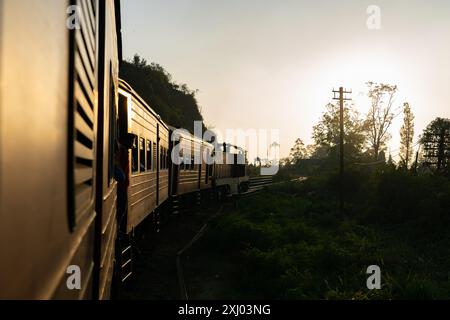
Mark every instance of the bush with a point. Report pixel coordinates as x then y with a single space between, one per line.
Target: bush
291 242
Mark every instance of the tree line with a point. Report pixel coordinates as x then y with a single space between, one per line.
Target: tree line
175 103
366 137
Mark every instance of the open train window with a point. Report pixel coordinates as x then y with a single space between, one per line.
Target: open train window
167 159
161 158
155 156
185 163
149 155
134 157
142 166
210 170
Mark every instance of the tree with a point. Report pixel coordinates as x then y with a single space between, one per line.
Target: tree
436 144
298 152
380 115
327 132
139 62
406 135
175 103
390 161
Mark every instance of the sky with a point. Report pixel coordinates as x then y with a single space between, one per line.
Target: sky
273 64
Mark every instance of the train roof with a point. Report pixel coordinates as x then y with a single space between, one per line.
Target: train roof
187 135
126 87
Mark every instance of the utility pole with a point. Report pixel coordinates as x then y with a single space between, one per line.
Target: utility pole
341 99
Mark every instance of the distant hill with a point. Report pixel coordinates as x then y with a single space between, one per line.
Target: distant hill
176 104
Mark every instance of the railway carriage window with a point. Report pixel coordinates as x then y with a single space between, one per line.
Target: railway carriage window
142 155
161 157
149 155
155 157
210 170
185 163
134 157
167 159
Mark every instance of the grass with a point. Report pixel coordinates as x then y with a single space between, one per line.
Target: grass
290 242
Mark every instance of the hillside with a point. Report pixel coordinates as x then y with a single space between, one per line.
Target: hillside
176 104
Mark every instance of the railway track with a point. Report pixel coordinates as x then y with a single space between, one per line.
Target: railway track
256 184
259 183
181 280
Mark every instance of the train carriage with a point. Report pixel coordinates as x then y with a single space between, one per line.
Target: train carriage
63 112
230 174
58 92
149 157
193 173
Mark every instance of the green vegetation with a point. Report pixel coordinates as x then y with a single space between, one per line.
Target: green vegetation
176 104
291 242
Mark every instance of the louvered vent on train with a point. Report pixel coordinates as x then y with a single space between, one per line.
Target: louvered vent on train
82 111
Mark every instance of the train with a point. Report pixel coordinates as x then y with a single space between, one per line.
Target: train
84 160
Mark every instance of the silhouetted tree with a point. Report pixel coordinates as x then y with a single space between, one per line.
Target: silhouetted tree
327 132
436 144
176 104
390 161
406 135
380 115
298 152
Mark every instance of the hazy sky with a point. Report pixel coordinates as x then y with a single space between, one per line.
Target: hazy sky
273 64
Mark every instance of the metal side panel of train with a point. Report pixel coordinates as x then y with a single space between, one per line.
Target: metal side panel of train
230 172
148 160
49 109
190 176
106 205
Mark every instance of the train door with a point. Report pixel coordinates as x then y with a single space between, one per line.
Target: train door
123 162
106 190
174 169
158 163
207 151
199 171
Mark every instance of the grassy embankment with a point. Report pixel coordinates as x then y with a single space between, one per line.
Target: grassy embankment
290 242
